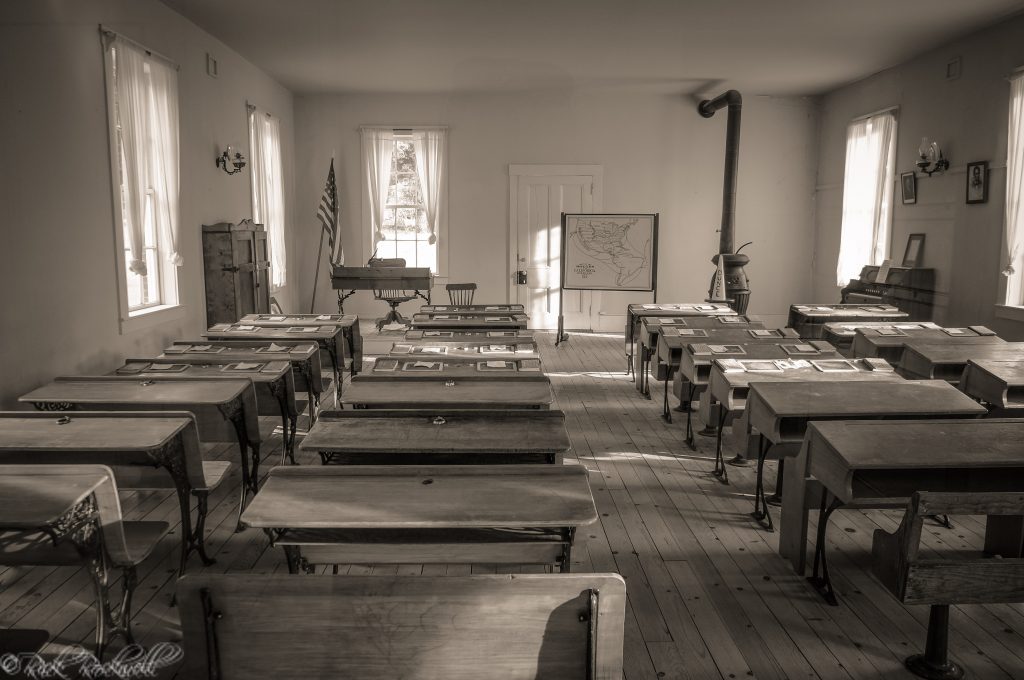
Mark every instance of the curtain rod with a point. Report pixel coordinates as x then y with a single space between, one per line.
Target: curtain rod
876 113
404 128
110 33
252 107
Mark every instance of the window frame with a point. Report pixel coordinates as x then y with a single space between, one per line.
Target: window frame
169 308
409 132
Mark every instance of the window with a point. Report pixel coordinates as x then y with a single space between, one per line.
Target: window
1015 194
142 110
268 188
405 174
867 193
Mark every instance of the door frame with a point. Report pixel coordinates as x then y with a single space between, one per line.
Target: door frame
517 170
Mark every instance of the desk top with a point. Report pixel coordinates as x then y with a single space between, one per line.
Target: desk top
1000 383
285 320
846 311
651 327
131 390
946 361
847 329
438 431
104 431
888 342
427 321
696 359
30 499
729 387
432 367
780 410
254 332
228 350
678 309
474 309
477 350
175 368
511 392
510 336
413 497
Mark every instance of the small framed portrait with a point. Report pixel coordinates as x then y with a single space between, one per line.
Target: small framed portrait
977 182
908 181
915 250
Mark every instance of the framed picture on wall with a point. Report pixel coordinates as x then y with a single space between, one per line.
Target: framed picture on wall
908 181
915 250
977 182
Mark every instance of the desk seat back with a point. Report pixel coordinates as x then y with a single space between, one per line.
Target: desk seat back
947 579
535 626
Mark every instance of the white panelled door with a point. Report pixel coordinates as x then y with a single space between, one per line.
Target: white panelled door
538 195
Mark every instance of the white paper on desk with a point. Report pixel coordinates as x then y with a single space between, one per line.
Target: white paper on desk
276 318
322 317
493 308
277 348
823 309
806 348
731 365
444 317
496 364
908 326
956 331
433 349
167 367
246 328
247 366
494 319
494 348
220 327
762 333
651 306
666 320
401 349
706 307
424 365
718 349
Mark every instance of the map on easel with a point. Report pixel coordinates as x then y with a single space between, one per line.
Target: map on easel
609 252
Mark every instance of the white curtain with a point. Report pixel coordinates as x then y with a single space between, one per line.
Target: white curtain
1015 194
867 194
378 148
268 188
147 111
430 149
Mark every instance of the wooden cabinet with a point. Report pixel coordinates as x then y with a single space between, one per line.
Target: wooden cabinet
236 271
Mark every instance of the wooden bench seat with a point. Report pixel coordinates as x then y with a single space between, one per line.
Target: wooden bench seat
509 627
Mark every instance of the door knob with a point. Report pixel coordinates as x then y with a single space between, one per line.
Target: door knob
521 278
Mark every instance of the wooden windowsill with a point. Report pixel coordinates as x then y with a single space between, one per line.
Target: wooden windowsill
150 317
1012 312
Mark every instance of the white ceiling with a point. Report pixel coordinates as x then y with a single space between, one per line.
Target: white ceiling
758 46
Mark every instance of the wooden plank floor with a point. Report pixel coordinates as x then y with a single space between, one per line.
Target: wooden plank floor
709 597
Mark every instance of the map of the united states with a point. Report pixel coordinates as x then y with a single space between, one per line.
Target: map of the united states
607 242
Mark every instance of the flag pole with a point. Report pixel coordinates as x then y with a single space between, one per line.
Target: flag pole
316 276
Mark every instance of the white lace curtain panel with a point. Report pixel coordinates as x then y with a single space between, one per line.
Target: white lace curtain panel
1015 194
268 188
430 161
147 113
867 194
378 148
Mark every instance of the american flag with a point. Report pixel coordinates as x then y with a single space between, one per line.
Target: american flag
327 213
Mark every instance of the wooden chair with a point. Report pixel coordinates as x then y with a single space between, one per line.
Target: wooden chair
461 293
93 534
512 627
942 581
392 296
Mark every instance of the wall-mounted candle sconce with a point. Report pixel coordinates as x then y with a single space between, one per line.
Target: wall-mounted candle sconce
930 159
236 160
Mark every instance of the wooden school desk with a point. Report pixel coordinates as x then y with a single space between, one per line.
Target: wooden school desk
841 334
888 343
1000 384
303 356
330 339
444 321
352 348
636 312
273 381
398 514
882 463
474 310
69 515
514 392
809 320
730 383
480 351
780 411
225 410
697 358
947 362
145 450
652 327
508 336
439 436
435 367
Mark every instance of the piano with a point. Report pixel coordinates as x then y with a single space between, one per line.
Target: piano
910 289
380 275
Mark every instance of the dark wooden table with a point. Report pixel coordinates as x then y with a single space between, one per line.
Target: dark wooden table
477 514
518 392
440 366
635 312
780 411
477 351
352 348
478 310
841 333
809 320
888 343
437 436
947 362
508 336
997 383
882 463
450 321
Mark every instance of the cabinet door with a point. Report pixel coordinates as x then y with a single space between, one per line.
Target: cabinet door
261 273
245 281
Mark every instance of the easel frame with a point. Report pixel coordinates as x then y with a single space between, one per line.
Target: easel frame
561 336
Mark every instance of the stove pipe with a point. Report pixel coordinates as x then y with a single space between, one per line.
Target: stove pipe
736 284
